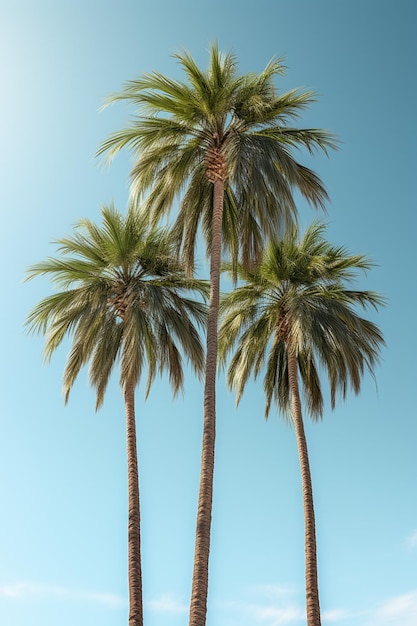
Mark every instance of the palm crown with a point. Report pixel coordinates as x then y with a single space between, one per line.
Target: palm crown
123 300
297 303
219 125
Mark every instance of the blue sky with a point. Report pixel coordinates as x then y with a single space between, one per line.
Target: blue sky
63 469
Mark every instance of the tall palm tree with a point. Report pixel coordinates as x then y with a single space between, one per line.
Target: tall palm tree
220 142
293 315
122 299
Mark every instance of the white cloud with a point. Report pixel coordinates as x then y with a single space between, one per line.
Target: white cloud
411 541
109 599
335 615
167 603
275 615
22 590
278 605
268 605
274 590
399 610
265 605
28 590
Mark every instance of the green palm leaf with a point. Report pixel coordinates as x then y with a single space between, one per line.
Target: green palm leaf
177 124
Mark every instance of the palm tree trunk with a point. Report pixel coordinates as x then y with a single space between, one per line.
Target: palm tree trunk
134 558
199 592
312 590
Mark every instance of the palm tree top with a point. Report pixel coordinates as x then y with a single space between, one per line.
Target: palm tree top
298 301
213 105
219 124
122 298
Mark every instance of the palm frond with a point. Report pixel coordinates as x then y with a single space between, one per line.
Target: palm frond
177 126
296 299
121 283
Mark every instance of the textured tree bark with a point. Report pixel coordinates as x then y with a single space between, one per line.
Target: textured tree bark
312 590
134 556
199 592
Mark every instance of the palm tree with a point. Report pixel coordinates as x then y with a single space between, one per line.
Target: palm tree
293 315
222 144
121 299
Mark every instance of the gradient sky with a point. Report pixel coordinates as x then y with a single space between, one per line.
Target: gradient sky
63 469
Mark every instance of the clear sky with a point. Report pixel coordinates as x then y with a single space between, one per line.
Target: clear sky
63 469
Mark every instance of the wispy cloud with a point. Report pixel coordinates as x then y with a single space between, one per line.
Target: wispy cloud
335 616
280 605
283 605
27 590
273 590
110 599
400 610
167 603
267 605
411 541
274 615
